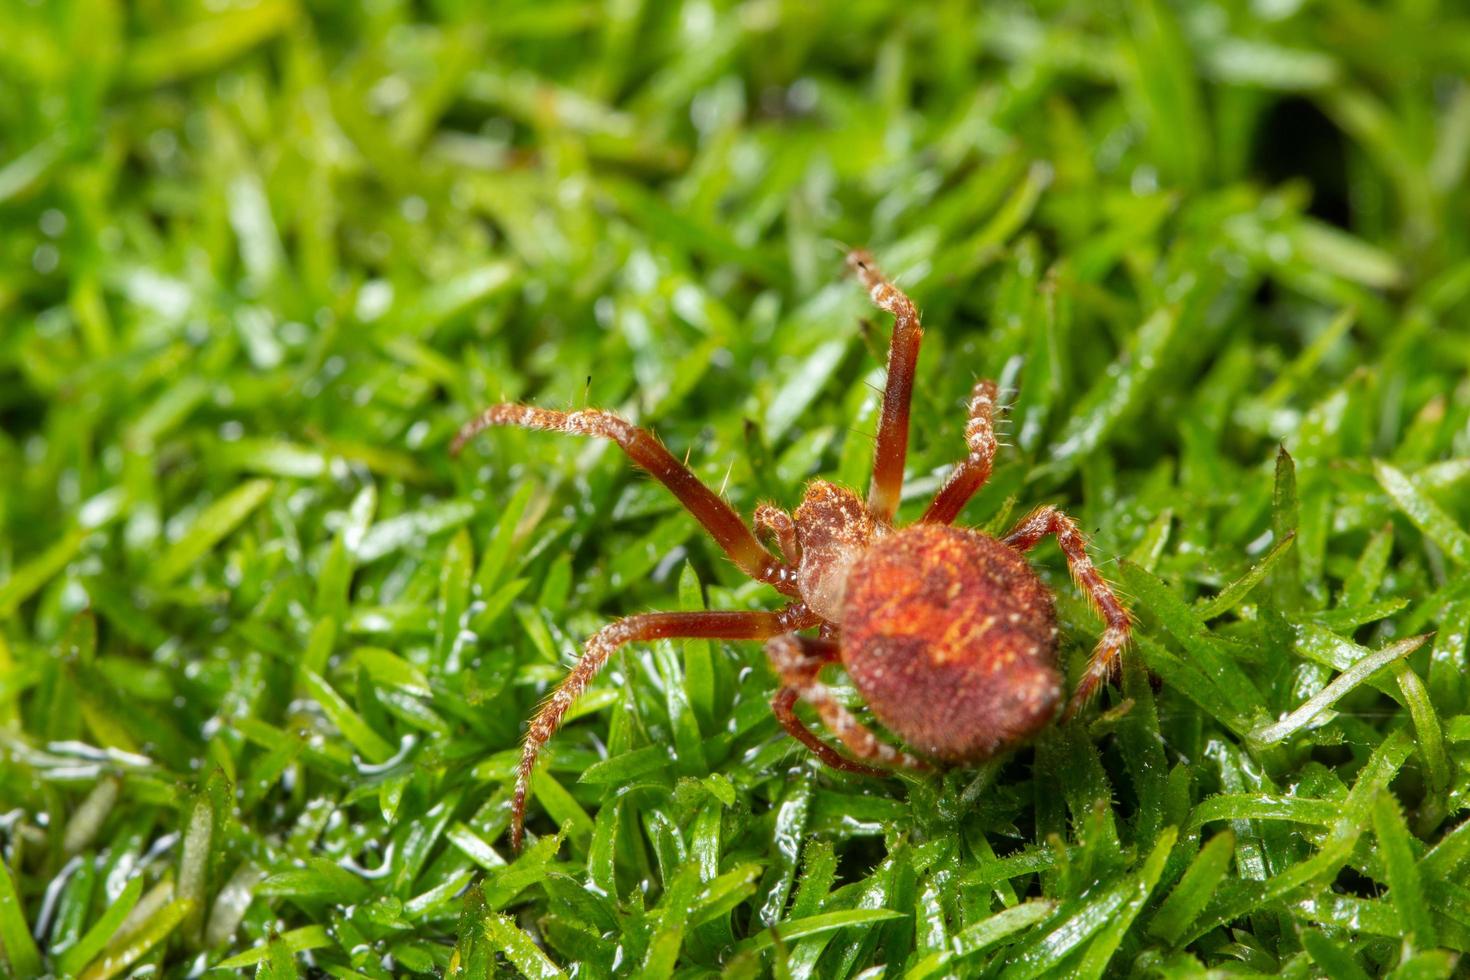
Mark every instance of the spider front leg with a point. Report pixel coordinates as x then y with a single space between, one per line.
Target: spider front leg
799 659
972 472
644 449
637 629
903 355
1105 657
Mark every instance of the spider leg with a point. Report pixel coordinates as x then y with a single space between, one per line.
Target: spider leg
751 625
903 354
1106 655
775 523
644 449
798 659
972 472
783 705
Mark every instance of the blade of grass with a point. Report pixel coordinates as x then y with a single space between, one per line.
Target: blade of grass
520 950
1424 513
1401 871
1355 675
979 937
211 527
16 942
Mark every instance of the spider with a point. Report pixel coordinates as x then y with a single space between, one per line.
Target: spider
946 632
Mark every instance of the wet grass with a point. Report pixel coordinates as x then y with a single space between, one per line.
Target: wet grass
265 649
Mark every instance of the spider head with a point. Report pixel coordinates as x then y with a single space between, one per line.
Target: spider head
834 529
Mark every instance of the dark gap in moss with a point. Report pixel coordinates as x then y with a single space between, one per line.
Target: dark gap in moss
1350 881
1296 141
22 411
1332 756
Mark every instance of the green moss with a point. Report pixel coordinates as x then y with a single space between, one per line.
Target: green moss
266 649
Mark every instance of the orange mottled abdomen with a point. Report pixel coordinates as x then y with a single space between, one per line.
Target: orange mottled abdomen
951 638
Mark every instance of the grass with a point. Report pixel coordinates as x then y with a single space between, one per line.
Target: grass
265 649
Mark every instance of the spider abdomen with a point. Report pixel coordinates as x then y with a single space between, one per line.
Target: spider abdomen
951 638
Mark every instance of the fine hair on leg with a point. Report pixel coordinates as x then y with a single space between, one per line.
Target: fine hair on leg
753 625
903 354
1104 661
645 450
972 472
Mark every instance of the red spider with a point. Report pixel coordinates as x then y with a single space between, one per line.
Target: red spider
946 632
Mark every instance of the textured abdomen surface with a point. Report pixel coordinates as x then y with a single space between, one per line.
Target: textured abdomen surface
951 638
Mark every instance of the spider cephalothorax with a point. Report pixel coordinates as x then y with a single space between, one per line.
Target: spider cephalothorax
947 633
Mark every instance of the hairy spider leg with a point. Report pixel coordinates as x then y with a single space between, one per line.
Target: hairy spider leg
1105 656
753 625
645 450
903 354
972 472
798 659
779 526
